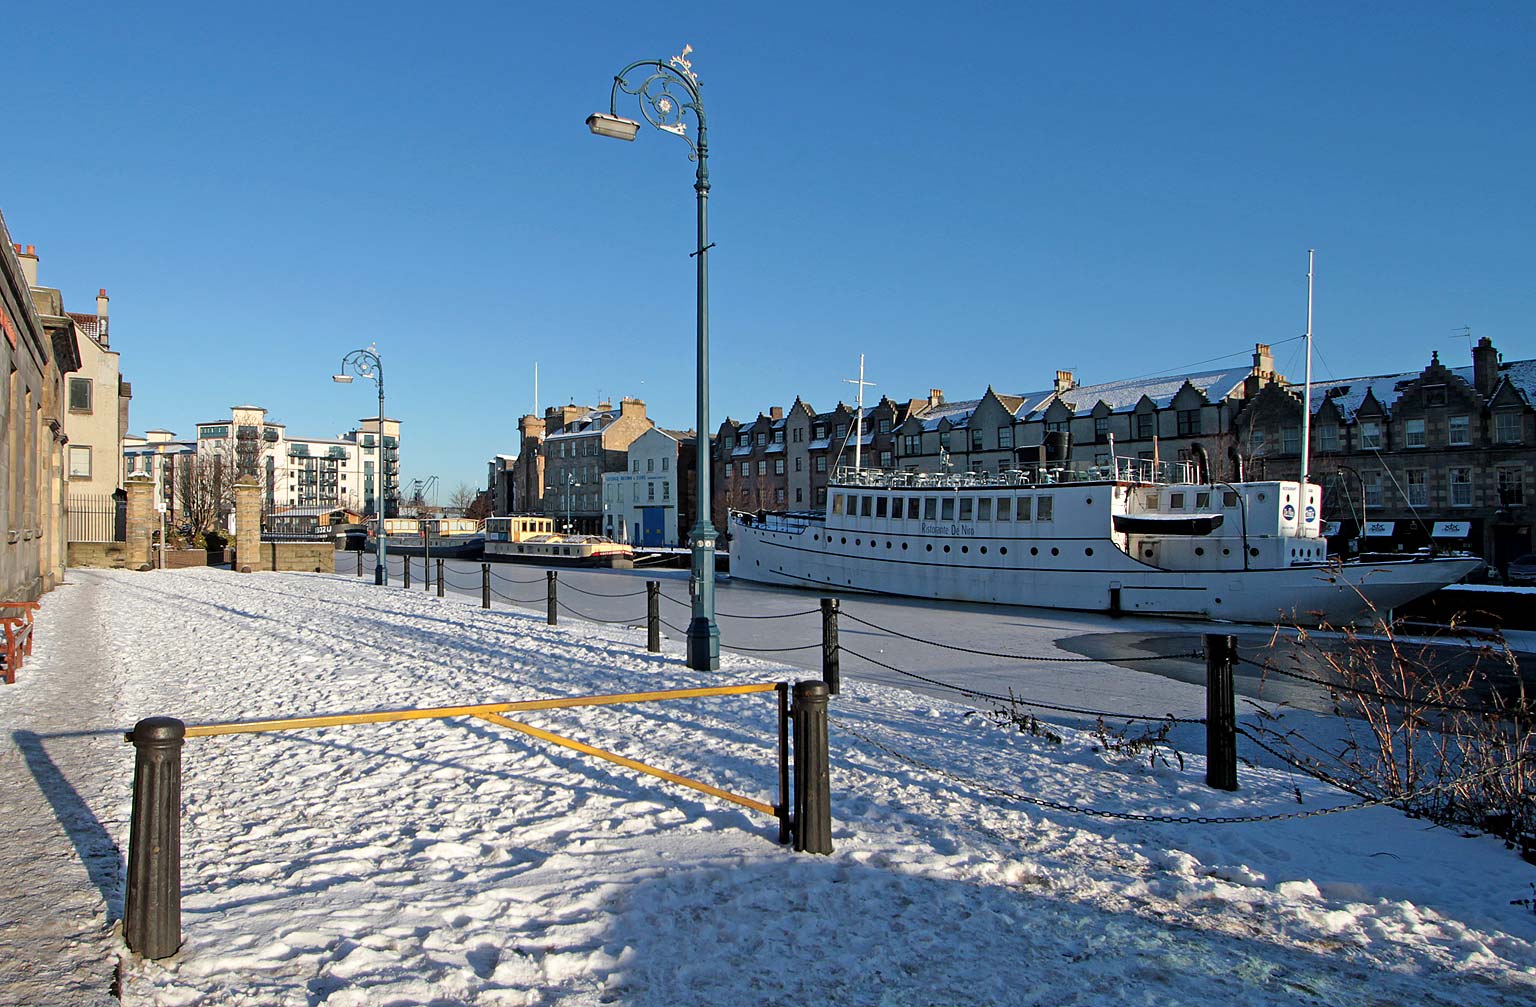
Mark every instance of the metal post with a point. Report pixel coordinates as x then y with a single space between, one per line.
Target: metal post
439 578
152 907
813 776
407 560
485 585
426 570
549 579
653 616
831 670
782 808
1220 713
359 562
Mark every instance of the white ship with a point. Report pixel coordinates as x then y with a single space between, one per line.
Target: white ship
1134 537
534 540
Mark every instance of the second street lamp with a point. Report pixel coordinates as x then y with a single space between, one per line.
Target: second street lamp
366 364
664 109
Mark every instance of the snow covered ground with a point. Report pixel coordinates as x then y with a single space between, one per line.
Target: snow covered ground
456 862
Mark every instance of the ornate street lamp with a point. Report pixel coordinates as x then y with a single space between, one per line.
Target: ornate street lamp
366 364
664 108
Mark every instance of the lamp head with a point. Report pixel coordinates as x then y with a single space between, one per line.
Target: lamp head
619 128
342 379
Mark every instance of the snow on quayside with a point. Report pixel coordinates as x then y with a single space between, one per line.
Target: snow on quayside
453 862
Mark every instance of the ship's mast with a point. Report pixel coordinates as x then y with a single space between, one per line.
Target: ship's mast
1306 394
858 416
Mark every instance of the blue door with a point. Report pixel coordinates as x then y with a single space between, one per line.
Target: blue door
653 526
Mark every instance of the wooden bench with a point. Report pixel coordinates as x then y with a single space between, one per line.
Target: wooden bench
16 617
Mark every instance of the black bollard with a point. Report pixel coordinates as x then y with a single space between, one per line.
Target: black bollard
549 580
407 561
653 616
439 578
359 562
831 668
152 906
813 776
485 585
1220 713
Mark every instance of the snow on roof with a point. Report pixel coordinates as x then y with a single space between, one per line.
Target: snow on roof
1348 394
1122 396
958 413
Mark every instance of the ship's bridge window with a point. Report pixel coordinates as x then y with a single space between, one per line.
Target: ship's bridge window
1005 508
1043 509
912 508
896 508
880 505
837 503
984 509
1202 501
1025 504
947 509
930 509
1229 499
967 508
868 506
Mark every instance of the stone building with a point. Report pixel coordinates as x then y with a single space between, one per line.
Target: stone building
97 419
1448 446
643 504
527 482
581 443
39 350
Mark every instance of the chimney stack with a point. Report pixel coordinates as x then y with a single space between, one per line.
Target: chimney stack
935 397
28 263
101 318
629 406
1263 360
1064 382
775 412
1485 367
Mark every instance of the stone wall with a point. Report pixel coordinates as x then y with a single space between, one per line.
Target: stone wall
99 555
302 557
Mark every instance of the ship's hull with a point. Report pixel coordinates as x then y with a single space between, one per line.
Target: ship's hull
1073 579
453 547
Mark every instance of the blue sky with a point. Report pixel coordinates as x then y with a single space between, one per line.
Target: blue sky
968 194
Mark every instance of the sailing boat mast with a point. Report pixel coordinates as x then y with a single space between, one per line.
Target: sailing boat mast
858 416
1306 395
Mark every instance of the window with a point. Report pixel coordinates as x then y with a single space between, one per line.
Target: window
778 466
666 463
799 436
762 468
797 463
743 440
947 509
746 468
1005 438
778 496
930 508
1511 485
821 496
913 506
1328 437
821 463
912 444
1256 439
666 491
79 461
778 436
1043 509
1005 508
944 439
885 459
1416 488
1434 395
1461 487
1024 506
975 440
730 470
1189 422
762 438
984 509
1373 489
866 507
1370 434
821 432
1413 433
799 493
1058 427
842 431
650 465
1144 425
885 426
880 505
79 395
967 508
1100 429
1506 427
1460 434
650 491
1290 440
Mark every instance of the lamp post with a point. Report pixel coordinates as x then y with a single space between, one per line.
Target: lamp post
366 364
570 488
664 109
1360 538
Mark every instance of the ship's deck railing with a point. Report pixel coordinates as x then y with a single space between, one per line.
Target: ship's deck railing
792 523
1122 469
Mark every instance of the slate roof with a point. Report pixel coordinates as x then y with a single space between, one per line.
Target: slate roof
1122 396
1348 394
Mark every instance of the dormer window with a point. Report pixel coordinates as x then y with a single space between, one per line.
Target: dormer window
1370 434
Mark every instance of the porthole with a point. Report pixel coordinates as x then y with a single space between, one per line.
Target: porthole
946 548
1034 550
1055 551
1199 550
965 549
1226 552
1218 601
1088 551
1089 501
1148 553
858 541
815 538
843 541
873 544
903 547
1254 551
929 547
887 545
1002 550
983 550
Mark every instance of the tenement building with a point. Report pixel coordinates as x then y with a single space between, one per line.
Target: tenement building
582 443
1401 456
